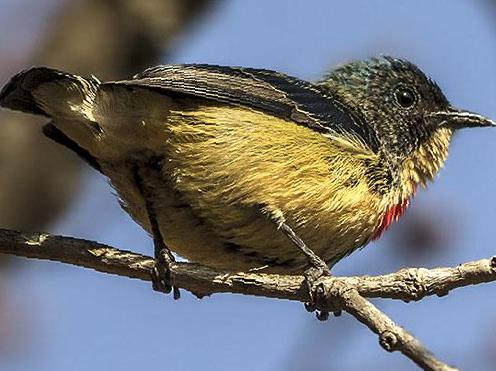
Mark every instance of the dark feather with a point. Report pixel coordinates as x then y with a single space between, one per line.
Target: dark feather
51 131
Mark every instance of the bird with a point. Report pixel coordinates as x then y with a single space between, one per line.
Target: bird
245 169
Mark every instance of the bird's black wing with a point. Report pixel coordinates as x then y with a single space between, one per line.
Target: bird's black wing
284 96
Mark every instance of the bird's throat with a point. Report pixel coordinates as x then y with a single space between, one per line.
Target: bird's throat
421 167
423 164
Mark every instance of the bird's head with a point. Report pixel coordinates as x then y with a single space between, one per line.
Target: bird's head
411 117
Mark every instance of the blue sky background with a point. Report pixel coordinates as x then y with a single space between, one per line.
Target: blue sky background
83 320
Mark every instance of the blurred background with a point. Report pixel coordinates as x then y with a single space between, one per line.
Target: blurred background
58 317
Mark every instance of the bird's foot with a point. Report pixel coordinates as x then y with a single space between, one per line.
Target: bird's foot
312 274
161 273
317 269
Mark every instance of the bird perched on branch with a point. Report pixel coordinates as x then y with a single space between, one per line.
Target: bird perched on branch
247 169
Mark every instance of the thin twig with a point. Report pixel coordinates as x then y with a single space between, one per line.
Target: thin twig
334 293
391 336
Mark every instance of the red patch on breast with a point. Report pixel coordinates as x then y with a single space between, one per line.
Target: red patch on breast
391 215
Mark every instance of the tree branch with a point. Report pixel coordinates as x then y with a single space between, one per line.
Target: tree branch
333 293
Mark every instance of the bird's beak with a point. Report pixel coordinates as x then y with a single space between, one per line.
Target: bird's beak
455 118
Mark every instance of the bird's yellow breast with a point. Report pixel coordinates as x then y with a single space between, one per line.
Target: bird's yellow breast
229 174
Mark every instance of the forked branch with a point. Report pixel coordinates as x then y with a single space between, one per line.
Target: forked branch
333 293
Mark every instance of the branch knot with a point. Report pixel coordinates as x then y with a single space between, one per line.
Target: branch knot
414 281
492 263
389 341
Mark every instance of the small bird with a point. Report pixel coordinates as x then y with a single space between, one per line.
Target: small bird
247 169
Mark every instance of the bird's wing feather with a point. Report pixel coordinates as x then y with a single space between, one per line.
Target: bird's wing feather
284 96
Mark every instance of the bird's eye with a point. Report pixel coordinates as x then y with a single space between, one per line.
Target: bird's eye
405 97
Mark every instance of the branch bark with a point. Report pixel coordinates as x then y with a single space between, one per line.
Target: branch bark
333 293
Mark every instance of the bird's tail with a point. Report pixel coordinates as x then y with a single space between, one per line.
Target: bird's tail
67 99
49 92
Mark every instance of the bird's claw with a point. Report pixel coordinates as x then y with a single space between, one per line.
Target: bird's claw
161 274
312 274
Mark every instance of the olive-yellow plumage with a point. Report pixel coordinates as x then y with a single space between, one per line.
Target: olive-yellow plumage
223 164
227 156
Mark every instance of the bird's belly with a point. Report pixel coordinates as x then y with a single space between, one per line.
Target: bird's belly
236 237
184 232
220 182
